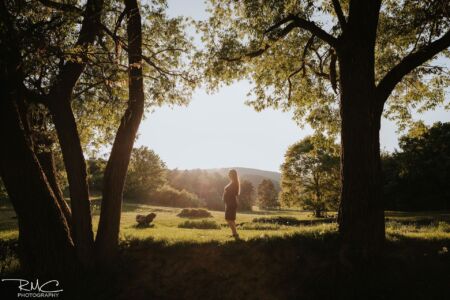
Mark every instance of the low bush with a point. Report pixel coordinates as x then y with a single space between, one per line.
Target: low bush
203 224
278 220
443 226
194 213
291 221
258 226
169 196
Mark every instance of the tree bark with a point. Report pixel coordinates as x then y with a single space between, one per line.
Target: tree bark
45 245
59 104
361 214
116 168
47 162
74 162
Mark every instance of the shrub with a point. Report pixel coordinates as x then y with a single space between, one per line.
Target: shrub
258 226
291 221
169 196
203 224
443 226
278 220
194 213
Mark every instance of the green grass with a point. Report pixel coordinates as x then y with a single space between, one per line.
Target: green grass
167 226
279 223
283 254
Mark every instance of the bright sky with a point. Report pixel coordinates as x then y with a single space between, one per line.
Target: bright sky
219 130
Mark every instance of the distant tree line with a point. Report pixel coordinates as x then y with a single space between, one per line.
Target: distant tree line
415 177
209 186
149 181
146 181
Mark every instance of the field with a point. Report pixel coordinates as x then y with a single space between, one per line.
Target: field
290 255
423 225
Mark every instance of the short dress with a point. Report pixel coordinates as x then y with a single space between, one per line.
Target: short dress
230 198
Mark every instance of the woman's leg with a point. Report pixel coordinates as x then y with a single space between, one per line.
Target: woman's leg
232 225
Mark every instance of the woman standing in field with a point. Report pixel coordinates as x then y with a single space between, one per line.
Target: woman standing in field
230 194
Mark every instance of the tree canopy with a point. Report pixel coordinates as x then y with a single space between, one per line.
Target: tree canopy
47 33
340 65
310 175
287 50
416 176
146 173
267 195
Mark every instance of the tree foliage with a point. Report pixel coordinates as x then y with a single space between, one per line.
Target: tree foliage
310 175
246 195
47 31
96 169
208 186
267 197
170 196
283 48
84 72
416 177
146 174
339 65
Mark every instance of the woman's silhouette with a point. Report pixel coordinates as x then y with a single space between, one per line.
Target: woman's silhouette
230 194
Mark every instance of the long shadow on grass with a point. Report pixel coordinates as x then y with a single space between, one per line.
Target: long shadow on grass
295 267
303 266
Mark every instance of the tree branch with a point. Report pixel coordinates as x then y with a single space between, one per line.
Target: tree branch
290 82
307 25
409 63
314 29
32 96
62 6
339 13
294 22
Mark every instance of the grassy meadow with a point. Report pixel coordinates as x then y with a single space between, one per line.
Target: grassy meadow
165 228
282 254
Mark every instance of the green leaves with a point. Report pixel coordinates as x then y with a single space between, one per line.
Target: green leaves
267 195
310 174
146 174
48 34
295 70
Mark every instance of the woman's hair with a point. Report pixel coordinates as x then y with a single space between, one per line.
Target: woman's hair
234 179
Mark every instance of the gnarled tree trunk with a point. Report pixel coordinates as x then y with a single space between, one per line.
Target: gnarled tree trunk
361 215
59 104
74 162
116 168
45 245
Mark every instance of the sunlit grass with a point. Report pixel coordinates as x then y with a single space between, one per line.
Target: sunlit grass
166 226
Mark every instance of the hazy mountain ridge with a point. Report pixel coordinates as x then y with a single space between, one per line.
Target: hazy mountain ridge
255 176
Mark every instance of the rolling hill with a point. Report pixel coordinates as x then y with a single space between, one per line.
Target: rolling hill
255 176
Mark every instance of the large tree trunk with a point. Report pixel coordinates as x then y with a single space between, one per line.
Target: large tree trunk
45 245
66 128
116 168
59 104
361 215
